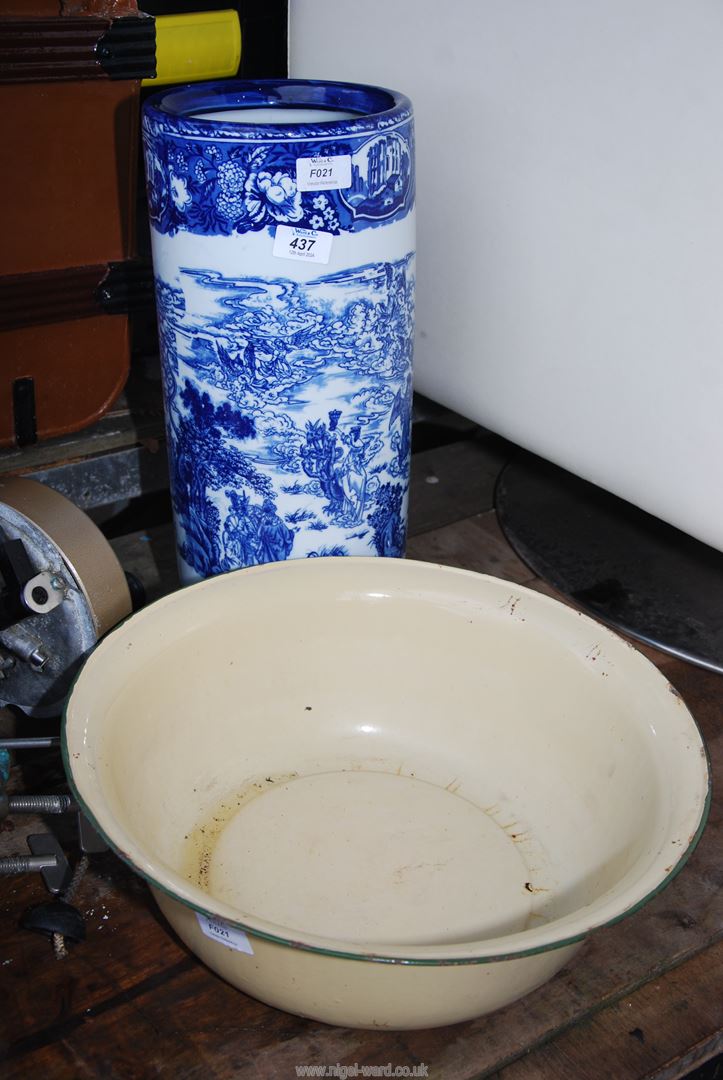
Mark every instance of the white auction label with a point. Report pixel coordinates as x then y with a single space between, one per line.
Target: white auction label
323 173
219 930
309 245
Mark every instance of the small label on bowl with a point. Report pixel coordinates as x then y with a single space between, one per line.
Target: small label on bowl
323 173
307 245
220 930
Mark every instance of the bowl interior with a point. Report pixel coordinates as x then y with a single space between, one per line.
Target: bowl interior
387 755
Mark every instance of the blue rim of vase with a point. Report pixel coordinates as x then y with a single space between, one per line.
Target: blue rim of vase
176 110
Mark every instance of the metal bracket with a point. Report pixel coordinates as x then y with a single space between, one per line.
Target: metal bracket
24 413
126 287
91 842
56 874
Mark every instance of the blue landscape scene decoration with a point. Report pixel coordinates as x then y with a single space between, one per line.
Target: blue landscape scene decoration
289 408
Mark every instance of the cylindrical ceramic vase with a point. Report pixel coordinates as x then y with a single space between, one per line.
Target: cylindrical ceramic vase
282 221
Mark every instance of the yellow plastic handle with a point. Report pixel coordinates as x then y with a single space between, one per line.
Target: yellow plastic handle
199 45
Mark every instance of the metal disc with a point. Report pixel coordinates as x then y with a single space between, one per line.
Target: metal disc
626 567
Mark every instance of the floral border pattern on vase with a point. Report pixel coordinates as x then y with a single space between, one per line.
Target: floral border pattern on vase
289 410
212 187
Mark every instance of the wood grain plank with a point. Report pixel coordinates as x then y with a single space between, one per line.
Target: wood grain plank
640 1037
130 1001
476 544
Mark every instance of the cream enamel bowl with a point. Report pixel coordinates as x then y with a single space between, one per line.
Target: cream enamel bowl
383 793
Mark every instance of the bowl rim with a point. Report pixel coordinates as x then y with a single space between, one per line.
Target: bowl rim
572 928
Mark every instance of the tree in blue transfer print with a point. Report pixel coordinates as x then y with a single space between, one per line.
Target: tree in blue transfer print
319 456
205 461
387 522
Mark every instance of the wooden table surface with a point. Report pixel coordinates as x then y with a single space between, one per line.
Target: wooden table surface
644 998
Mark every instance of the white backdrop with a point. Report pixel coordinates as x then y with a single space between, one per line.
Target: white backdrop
570 228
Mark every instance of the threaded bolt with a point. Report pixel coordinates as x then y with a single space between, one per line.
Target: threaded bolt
41 804
24 864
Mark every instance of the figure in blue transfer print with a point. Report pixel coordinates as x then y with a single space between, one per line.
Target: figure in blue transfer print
398 317
238 535
401 440
254 533
338 461
275 537
351 468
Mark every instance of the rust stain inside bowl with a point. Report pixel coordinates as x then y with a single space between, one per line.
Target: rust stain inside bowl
366 855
